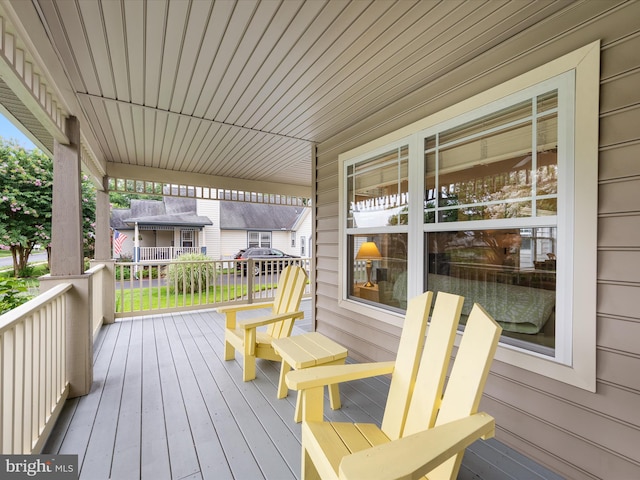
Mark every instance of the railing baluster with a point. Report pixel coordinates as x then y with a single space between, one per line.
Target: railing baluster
33 379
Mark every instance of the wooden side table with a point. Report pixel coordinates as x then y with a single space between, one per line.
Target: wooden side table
304 351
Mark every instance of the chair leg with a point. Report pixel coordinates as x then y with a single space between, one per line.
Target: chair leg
334 396
334 391
249 368
309 471
229 351
297 416
309 406
283 391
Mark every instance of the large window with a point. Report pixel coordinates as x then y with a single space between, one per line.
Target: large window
377 222
492 199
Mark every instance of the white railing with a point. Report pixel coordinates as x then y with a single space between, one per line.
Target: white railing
165 253
33 374
146 287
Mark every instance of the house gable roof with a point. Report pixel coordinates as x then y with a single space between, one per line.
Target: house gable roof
178 212
255 216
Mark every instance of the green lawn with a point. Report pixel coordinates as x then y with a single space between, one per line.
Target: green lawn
159 297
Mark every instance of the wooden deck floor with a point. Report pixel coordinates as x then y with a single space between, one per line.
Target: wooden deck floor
165 405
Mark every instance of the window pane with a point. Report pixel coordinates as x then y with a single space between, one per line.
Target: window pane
495 120
386 269
547 101
486 169
509 272
265 239
254 239
377 190
430 180
494 167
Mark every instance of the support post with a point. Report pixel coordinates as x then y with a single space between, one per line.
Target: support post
67 259
103 255
66 226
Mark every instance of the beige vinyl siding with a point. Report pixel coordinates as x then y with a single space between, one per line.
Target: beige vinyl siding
571 431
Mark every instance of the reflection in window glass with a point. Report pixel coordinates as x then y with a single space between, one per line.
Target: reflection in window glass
382 260
510 272
496 167
377 190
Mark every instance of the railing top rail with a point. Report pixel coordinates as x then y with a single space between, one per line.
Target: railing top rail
12 317
96 268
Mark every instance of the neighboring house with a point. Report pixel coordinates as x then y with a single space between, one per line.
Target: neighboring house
218 229
239 225
168 226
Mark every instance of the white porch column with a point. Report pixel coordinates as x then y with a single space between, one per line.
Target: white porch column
103 232
66 224
67 263
103 255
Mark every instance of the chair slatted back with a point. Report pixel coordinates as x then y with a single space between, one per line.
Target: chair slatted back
406 366
434 363
288 297
468 378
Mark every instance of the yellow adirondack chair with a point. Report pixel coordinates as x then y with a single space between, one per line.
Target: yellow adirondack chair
244 337
422 431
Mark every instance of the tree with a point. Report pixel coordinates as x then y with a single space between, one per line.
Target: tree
123 200
26 194
26 188
88 216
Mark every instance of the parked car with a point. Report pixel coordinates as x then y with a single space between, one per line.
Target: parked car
265 257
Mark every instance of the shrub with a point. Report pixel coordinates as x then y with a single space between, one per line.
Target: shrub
13 293
190 272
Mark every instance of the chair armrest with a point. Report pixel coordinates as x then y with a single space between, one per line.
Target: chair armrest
330 374
267 319
414 456
231 310
244 306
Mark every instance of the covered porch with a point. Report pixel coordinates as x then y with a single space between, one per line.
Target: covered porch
256 101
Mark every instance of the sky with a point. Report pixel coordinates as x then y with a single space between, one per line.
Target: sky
9 132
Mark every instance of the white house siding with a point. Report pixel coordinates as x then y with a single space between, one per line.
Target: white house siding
211 233
304 231
575 433
231 241
282 241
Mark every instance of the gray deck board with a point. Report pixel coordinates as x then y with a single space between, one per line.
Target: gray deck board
106 418
165 404
154 450
126 448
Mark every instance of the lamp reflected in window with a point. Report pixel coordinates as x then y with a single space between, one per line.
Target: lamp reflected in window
368 251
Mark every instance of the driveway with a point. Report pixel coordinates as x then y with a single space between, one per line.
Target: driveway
33 258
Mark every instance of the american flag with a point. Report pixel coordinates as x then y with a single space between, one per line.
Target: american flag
118 240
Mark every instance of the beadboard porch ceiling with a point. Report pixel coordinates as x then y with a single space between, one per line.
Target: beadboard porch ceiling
244 89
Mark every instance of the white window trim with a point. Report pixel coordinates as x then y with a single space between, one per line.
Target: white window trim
579 368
